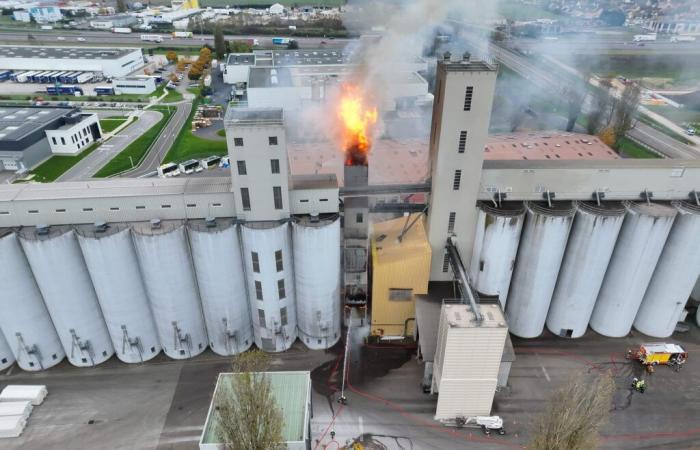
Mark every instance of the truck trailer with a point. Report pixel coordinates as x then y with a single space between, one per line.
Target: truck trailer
121 30
182 34
644 37
152 38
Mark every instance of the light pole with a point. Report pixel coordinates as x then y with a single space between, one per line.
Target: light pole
131 160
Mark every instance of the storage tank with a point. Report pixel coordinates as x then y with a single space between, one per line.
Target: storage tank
25 319
495 247
317 280
542 246
267 255
59 269
164 257
216 253
591 243
111 261
674 277
636 253
6 356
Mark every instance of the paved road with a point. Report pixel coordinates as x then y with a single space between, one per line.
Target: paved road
662 142
161 146
87 167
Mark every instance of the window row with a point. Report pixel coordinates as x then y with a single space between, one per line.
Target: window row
276 197
279 261
243 170
263 322
281 291
238 141
114 208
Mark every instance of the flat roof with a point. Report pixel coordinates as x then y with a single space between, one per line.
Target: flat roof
315 181
254 116
242 59
18 122
462 316
291 391
547 145
31 51
263 77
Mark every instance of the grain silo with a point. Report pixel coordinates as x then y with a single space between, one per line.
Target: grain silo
59 269
317 280
25 319
636 253
6 356
216 253
166 268
111 261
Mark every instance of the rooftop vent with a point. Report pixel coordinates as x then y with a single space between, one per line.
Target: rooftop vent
42 229
155 224
210 222
447 56
466 57
100 226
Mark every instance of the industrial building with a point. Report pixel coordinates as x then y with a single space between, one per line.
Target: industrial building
108 62
142 85
29 134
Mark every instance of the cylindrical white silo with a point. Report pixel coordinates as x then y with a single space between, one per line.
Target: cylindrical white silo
267 255
542 246
591 243
58 266
674 277
7 358
111 261
317 280
636 253
495 248
24 317
168 275
216 253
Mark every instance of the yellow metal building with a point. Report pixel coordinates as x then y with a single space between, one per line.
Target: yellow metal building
400 271
185 4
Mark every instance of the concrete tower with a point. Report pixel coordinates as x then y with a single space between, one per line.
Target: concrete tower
461 114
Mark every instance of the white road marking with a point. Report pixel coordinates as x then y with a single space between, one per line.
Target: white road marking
546 375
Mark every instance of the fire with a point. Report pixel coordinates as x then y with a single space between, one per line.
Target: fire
357 121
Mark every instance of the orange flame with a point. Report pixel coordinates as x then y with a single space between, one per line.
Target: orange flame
357 120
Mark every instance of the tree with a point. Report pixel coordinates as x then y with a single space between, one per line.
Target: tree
171 56
607 135
613 17
195 73
219 42
249 418
574 101
599 115
575 414
121 6
240 47
625 110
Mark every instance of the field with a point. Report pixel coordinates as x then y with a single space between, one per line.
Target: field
57 165
266 3
187 145
136 151
111 123
669 70
631 149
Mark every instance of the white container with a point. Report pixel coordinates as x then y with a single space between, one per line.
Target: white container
12 426
542 247
591 243
17 408
6 356
317 281
164 258
274 318
636 253
111 261
216 253
675 275
34 393
495 247
65 284
25 321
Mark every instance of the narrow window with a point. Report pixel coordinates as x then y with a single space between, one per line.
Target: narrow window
275 165
241 168
277 195
114 208
359 218
272 140
400 295
165 206
141 207
457 180
191 205
258 290
280 289
238 142
53 138
283 316
451 222
462 141
468 98
245 199
87 209
63 141
261 318
256 262
445 263
278 261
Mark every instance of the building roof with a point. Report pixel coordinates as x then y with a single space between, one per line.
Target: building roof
254 116
291 391
18 122
265 77
315 181
243 59
462 316
31 51
388 249
547 145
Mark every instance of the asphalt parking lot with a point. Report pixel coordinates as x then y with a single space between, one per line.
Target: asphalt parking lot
162 404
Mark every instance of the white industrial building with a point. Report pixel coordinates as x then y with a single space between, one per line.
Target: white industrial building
78 132
109 62
134 85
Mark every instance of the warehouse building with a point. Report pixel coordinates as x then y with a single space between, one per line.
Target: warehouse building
134 85
109 62
30 134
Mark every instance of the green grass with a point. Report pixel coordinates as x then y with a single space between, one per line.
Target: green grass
188 146
221 3
678 115
664 129
173 94
111 123
137 150
631 149
57 165
515 10
221 132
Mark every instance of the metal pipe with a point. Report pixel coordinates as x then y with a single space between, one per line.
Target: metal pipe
462 278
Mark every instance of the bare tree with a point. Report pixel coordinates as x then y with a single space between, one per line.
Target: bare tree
248 415
599 115
219 42
625 110
575 414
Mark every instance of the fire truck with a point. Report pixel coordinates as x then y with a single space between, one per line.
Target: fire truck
650 355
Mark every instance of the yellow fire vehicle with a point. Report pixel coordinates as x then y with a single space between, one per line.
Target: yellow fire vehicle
660 353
